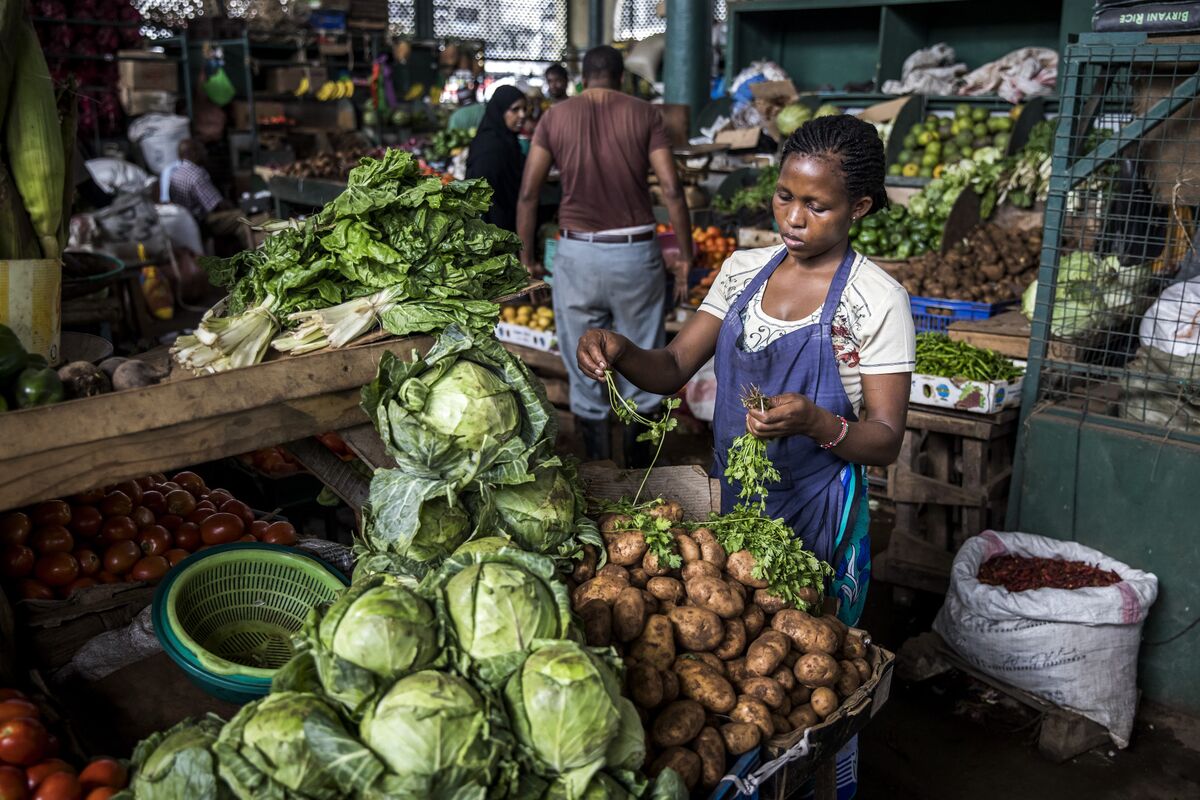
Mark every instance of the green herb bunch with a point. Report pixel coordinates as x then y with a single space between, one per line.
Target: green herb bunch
656 429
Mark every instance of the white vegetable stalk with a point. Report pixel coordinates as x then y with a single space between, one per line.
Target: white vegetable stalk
301 340
342 324
222 343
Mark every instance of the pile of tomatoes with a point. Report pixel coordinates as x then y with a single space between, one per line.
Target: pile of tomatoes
30 768
132 531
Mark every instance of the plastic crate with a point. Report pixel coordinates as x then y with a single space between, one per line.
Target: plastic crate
936 314
526 337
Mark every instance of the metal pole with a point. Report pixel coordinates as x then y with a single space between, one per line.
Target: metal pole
424 19
687 59
596 35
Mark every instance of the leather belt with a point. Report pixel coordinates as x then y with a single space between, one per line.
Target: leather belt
609 238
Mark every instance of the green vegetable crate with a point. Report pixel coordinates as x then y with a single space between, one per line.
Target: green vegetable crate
963 394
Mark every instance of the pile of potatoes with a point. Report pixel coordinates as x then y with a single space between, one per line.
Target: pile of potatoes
715 663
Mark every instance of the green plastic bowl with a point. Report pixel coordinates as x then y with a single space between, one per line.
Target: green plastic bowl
226 615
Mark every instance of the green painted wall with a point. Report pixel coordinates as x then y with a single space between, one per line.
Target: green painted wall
1137 499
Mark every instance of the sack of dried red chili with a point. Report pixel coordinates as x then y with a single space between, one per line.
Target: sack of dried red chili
1075 646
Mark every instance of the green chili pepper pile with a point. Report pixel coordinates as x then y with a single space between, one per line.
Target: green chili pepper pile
938 355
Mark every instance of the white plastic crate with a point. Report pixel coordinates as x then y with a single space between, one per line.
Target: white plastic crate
526 337
961 394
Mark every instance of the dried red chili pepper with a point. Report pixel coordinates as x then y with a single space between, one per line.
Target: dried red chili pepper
1022 573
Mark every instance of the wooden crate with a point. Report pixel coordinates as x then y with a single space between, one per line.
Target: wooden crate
950 482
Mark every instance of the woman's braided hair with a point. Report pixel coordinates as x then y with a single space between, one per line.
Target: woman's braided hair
856 148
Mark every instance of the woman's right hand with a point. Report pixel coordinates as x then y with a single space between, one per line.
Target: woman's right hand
598 351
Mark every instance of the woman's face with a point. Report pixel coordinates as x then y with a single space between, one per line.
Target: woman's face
811 207
514 116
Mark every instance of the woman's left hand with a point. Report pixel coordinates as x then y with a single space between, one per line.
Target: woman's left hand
789 415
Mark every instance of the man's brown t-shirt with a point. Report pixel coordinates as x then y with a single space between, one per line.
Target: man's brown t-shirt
601 141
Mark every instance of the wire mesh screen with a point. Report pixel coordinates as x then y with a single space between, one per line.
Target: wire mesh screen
1120 296
519 30
402 17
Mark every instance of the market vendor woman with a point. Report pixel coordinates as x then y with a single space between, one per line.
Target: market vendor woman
819 329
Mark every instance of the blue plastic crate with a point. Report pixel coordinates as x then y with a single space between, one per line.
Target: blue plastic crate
936 314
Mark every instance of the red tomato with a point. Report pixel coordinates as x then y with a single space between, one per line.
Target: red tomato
17 561
89 561
39 772
155 501
180 502
218 497
101 793
104 772
166 487
249 537
188 536
51 512
280 533
91 497
170 521
150 569
12 783
82 582
18 707
56 569
106 577
154 540
145 482
22 741
52 539
238 508
120 557
86 521
133 489
259 527
116 504
118 529
30 589
190 481
199 515
59 786
176 555
15 528
221 528
206 505
10 694
142 517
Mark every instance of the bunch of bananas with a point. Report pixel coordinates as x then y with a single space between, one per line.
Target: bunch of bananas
540 318
340 89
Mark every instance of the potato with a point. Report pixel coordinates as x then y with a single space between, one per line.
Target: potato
638 577
615 571
848 682
791 658
625 548
765 653
854 645
585 570
741 590
678 723
741 566
755 619
688 549
735 668
650 600
734 643
755 712
652 567
824 701
715 595
710 550
604 588
769 602
740 737
628 614
863 668
666 589
684 761
668 510
803 717
711 749
764 689
785 707
698 660
800 695
808 634
611 523
597 623
708 688
696 629
810 597
785 678
656 645
700 569
780 722
817 669
645 685
670 684
840 628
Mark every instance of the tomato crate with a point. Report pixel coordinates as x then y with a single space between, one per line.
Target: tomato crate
526 336
936 314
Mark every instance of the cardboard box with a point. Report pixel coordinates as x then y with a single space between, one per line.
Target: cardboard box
285 80
137 101
240 112
740 138
146 71
961 394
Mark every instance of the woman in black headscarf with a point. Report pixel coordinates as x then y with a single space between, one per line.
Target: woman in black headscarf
496 155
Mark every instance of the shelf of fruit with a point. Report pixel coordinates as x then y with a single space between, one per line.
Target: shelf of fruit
937 141
710 247
539 318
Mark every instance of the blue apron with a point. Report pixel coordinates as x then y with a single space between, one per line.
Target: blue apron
810 495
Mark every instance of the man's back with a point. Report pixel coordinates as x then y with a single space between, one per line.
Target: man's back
601 141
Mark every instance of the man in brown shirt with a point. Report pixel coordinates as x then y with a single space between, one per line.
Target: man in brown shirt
608 269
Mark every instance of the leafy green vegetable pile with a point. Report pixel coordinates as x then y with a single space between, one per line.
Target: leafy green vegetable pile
395 249
938 355
752 198
445 143
1090 291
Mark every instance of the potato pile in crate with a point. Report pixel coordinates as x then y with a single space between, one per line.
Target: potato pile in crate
715 663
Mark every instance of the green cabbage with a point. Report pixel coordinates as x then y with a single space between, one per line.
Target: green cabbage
435 734
488 544
467 403
790 118
435 530
827 110
179 763
539 515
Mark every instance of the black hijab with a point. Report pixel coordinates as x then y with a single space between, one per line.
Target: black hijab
496 155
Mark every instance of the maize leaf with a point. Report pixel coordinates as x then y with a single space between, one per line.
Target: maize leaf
69 108
17 240
34 138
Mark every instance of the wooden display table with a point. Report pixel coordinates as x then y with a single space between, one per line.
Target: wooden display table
1007 334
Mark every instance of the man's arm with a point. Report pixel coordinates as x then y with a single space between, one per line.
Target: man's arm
537 167
663 164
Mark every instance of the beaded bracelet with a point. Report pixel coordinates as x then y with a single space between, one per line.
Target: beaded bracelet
841 434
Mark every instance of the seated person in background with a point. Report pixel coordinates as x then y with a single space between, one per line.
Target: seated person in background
188 184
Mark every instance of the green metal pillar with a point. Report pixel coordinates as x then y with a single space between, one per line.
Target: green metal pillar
687 59
423 13
595 18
